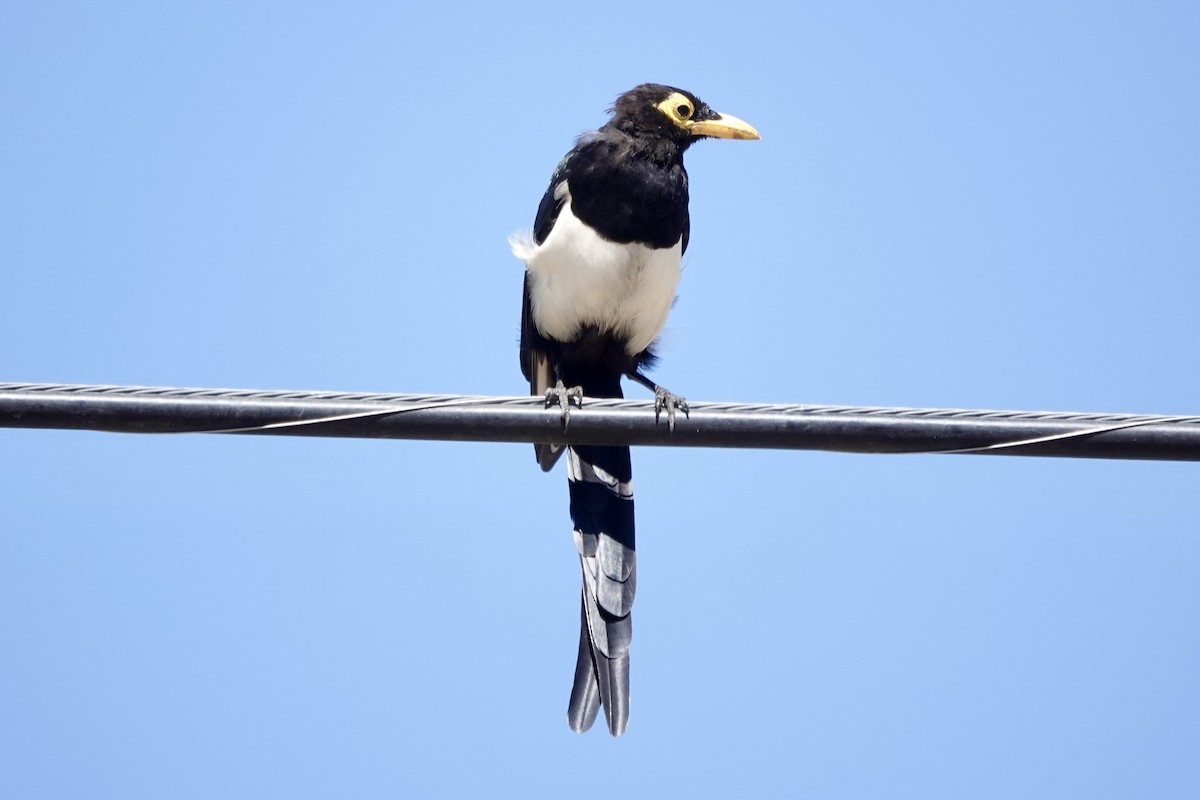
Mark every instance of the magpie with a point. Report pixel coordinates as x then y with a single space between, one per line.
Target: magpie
601 267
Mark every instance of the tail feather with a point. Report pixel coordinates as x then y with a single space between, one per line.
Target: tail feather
600 481
614 691
585 694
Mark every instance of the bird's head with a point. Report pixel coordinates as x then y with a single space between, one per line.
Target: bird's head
654 110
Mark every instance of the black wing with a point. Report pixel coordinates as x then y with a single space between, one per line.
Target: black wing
552 201
535 361
532 361
687 229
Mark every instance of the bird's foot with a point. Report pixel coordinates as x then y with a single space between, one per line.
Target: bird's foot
559 395
665 401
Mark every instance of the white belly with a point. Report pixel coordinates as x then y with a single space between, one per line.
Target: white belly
577 278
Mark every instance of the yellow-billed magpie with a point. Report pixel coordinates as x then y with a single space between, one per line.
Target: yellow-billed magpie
601 269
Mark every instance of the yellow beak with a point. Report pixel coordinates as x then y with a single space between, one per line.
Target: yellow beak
724 127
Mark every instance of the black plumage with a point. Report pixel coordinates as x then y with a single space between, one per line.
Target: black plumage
601 271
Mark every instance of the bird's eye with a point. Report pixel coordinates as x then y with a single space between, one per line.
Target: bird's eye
678 108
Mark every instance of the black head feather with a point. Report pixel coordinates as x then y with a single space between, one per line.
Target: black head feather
637 114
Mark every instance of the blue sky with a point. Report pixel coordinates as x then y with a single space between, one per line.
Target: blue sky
952 205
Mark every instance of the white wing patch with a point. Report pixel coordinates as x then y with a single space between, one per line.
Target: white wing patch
578 278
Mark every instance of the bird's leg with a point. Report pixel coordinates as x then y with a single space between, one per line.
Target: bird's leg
561 396
663 400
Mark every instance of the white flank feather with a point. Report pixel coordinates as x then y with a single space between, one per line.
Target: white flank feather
578 278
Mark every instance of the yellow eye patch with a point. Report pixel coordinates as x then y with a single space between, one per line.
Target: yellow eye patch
677 108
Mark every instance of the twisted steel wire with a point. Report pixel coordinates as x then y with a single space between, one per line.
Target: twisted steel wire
140 409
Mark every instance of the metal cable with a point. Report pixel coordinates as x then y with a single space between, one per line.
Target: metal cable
139 409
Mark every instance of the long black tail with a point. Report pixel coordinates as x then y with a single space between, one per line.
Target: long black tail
600 481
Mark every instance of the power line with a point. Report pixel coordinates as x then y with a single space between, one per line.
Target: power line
137 409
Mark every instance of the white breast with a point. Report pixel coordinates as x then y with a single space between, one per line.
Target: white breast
577 278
